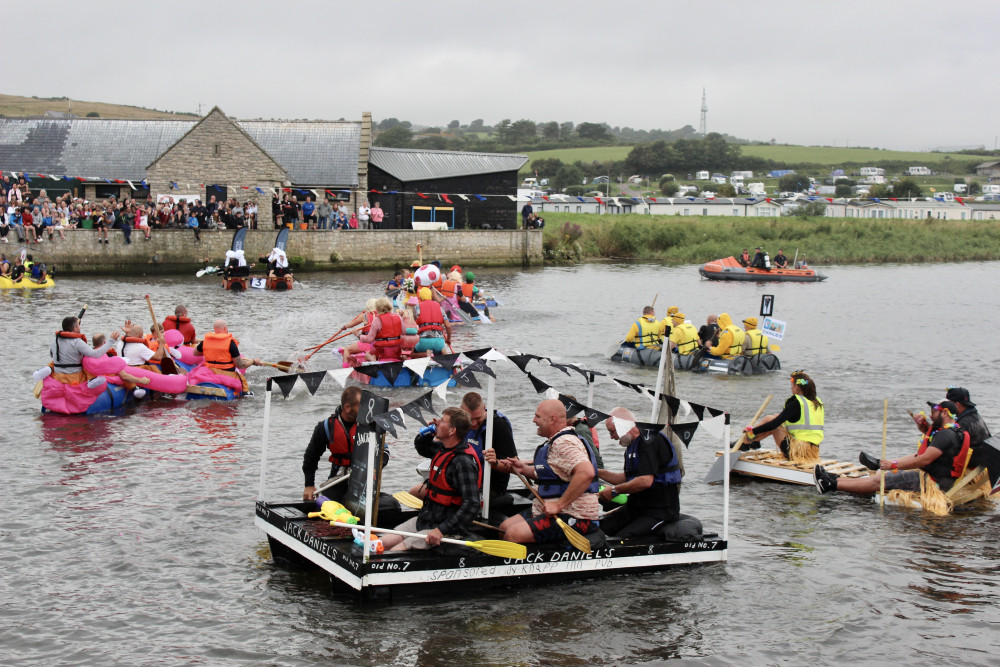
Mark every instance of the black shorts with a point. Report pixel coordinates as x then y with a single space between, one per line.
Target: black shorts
545 528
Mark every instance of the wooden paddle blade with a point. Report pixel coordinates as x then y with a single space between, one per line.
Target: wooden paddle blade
575 538
408 499
501 548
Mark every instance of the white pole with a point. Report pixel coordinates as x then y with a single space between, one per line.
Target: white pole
725 483
591 381
263 445
491 388
369 488
664 353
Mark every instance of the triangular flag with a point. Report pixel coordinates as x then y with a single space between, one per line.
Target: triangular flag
442 391
550 394
446 361
699 410
340 375
521 360
559 367
418 366
622 426
391 371
683 407
313 380
494 355
464 198
634 387
648 430
594 417
715 426
685 432
480 366
426 402
384 424
538 384
466 378
413 409
397 417
477 353
285 383
572 407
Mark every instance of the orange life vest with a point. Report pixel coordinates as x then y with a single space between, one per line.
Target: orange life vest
391 330
340 440
438 489
215 349
467 290
448 288
182 324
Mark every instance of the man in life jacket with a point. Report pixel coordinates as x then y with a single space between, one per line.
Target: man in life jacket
759 260
181 322
503 439
755 343
942 456
651 478
385 332
744 258
138 351
646 332
67 352
984 452
433 327
708 334
567 481
222 354
336 435
683 335
394 285
453 489
730 339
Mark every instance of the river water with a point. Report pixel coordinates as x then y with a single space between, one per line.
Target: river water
130 540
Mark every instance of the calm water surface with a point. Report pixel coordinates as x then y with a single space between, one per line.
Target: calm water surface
130 540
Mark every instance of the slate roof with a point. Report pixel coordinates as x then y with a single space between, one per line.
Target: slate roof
312 152
408 164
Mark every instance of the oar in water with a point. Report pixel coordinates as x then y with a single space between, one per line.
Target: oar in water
167 364
283 366
208 269
725 462
575 538
613 350
499 548
409 500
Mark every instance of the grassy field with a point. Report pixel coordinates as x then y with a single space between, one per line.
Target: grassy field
831 156
13 106
698 239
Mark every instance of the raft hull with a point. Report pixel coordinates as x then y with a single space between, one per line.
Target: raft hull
650 358
295 539
771 465
112 398
26 283
730 269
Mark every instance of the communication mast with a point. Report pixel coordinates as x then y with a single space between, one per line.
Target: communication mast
703 126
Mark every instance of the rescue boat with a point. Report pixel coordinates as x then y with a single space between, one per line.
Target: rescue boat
729 269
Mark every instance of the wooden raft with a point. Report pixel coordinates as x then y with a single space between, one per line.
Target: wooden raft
973 485
771 464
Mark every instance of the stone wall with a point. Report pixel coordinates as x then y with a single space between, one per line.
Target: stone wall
176 251
217 152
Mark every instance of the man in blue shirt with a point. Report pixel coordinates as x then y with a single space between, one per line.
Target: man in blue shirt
308 209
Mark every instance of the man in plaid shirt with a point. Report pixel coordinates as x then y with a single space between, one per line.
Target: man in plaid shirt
453 488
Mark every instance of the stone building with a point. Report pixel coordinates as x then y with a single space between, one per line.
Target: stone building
221 156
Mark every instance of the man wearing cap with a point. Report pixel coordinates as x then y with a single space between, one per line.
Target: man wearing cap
983 454
755 343
941 455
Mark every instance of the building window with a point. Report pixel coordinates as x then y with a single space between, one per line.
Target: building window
736 211
687 211
963 215
106 191
217 150
704 211
579 209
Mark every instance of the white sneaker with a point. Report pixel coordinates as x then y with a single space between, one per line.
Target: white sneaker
139 392
42 373
97 382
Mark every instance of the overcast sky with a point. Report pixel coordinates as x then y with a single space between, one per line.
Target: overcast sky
906 74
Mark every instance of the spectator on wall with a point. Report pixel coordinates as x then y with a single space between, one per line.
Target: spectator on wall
377 214
364 215
309 213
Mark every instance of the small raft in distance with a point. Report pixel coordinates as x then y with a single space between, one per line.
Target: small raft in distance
729 269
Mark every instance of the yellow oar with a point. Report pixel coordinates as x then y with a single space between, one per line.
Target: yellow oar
500 548
409 500
575 538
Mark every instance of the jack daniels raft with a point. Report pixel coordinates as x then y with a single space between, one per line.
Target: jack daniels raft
297 540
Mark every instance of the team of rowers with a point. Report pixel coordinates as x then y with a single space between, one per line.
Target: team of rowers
147 351
566 467
718 339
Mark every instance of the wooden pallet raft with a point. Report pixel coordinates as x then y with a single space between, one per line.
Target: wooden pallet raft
771 464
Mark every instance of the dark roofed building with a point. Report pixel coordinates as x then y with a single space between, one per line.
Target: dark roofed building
988 169
401 175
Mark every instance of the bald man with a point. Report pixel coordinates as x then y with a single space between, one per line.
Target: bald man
566 472
222 355
135 352
651 478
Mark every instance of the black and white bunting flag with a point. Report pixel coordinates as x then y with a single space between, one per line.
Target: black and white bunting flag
594 417
540 387
521 360
385 424
426 402
313 380
475 354
572 407
285 383
466 378
446 361
685 432
391 371
480 366
412 409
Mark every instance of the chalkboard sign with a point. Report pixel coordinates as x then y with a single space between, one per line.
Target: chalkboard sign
366 437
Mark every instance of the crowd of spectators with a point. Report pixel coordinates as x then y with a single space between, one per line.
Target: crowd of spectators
328 214
34 216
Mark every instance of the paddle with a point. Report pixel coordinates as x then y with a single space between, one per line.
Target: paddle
881 482
330 484
575 538
723 464
283 366
82 312
208 269
167 364
499 548
408 499
336 337
613 350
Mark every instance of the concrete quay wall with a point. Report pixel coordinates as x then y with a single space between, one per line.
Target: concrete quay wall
177 251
